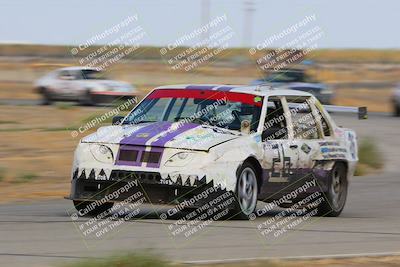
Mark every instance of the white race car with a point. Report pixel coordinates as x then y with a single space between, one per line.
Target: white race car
256 142
82 84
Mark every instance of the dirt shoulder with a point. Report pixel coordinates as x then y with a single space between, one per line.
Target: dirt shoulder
354 262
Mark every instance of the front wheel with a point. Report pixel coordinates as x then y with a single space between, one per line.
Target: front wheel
246 191
335 198
87 99
88 207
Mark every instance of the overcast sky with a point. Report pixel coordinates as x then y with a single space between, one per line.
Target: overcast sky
345 23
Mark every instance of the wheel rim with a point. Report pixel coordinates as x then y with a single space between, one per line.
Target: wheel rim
338 190
247 191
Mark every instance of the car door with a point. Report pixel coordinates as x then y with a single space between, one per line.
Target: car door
279 160
63 84
76 85
307 133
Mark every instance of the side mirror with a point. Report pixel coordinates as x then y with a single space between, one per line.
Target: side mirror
117 120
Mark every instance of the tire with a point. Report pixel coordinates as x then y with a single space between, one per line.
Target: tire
87 99
46 97
335 197
82 205
246 192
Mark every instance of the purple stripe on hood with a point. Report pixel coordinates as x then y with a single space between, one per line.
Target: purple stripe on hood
158 145
144 134
171 134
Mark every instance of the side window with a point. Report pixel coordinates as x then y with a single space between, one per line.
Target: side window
325 125
304 124
77 75
65 75
275 126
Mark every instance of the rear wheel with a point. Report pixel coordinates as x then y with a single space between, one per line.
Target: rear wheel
335 198
46 96
85 207
246 191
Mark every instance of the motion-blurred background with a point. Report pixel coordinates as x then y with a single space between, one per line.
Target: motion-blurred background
348 49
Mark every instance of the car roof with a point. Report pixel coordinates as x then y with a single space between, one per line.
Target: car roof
77 68
261 90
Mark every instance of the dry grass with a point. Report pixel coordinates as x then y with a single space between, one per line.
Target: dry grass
149 260
151 52
36 159
377 100
147 75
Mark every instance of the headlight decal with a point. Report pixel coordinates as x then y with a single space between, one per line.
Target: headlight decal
180 159
102 153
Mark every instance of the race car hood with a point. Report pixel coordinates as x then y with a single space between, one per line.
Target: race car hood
163 134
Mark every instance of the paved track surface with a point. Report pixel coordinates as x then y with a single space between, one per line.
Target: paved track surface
41 233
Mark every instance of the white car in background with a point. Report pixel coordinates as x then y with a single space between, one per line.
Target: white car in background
87 86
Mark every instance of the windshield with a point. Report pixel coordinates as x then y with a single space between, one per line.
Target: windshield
223 109
93 75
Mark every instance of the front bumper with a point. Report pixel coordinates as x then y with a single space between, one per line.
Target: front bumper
123 184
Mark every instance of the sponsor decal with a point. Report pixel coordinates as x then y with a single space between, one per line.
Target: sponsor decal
257 138
329 143
257 99
332 150
305 148
352 139
142 135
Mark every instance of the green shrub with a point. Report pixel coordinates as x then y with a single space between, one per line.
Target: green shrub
369 154
2 173
25 177
127 260
369 157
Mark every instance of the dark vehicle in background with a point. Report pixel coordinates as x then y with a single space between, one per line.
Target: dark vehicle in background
297 79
